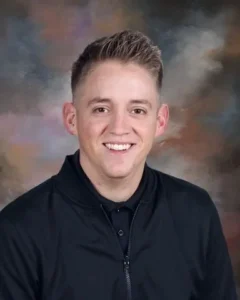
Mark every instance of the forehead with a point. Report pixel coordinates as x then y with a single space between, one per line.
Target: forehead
114 80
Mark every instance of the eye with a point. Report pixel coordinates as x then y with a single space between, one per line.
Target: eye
139 111
100 110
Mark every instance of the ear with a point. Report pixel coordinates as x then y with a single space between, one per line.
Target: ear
69 114
162 120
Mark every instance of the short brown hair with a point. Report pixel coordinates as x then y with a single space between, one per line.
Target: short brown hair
125 46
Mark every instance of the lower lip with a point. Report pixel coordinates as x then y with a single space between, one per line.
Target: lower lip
119 151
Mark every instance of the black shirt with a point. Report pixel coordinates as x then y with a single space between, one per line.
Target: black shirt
56 244
120 214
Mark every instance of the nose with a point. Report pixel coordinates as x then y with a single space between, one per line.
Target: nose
119 124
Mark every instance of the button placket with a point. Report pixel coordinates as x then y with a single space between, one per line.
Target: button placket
120 232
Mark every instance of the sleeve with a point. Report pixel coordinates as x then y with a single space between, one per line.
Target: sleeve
219 278
18 271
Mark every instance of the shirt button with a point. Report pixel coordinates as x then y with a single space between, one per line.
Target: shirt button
118 210
120 232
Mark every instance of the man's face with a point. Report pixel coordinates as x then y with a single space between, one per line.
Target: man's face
117 118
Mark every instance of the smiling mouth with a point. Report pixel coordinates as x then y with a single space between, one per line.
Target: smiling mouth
118 148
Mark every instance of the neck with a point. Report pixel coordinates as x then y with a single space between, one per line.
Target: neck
115 189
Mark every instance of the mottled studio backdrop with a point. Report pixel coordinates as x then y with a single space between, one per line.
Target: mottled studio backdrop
200 42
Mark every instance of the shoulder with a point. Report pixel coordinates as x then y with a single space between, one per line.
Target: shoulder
185 197
28 207
192 210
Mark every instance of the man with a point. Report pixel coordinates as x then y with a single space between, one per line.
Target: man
108 226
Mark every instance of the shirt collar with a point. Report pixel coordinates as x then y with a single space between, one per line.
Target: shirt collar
76 186
109 204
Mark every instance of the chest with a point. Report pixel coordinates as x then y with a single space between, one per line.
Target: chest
88 262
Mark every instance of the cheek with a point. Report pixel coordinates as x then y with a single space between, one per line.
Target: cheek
147 129
89 130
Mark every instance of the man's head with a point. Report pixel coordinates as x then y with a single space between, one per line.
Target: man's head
115 85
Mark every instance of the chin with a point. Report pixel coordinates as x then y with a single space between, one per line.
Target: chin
117 173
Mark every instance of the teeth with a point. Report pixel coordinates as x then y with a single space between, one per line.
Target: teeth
118 147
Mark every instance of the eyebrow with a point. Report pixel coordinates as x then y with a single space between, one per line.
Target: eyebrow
141 101
107 100
98 100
